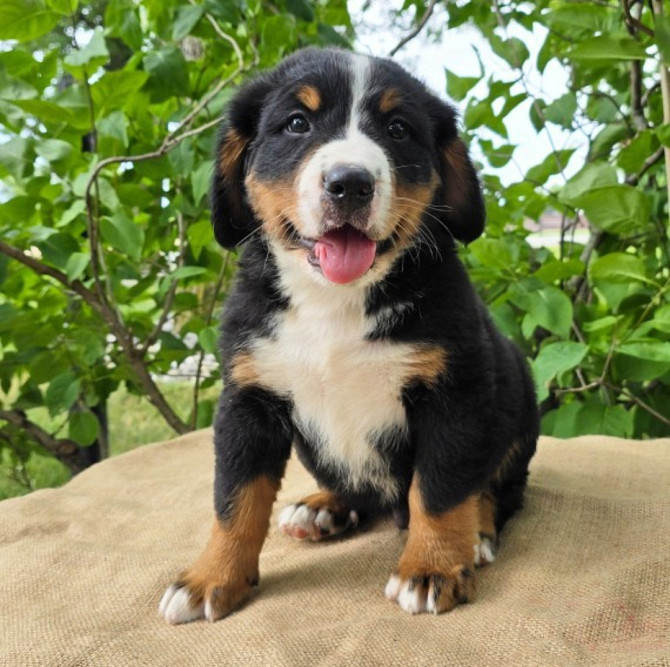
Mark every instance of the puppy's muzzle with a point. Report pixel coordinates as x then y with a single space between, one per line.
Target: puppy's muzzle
348 191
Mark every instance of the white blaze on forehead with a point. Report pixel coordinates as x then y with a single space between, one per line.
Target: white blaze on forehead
355 149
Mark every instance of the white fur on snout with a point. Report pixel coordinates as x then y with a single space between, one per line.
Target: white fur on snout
175 606
355 149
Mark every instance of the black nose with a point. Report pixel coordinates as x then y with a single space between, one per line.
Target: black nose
349 187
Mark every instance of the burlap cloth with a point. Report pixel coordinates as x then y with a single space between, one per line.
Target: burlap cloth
583 576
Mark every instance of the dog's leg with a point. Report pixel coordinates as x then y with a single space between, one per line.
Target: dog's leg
316 517
252 446
486 546
435 571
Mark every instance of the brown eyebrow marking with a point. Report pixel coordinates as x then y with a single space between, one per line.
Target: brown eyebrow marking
310 97
389 100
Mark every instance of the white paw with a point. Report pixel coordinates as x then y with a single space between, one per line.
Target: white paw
431 592
306 523
176 606
485 551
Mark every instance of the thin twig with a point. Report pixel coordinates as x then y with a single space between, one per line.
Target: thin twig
416 30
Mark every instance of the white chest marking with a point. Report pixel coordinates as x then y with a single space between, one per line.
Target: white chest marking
345 388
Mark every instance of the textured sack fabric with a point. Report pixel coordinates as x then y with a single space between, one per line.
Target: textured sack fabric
582 577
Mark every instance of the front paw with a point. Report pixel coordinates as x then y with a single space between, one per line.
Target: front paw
189 600
425 590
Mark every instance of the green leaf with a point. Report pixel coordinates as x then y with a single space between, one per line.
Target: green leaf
562 110
608 47
122 21
200 180
83 428
62 392
187 17
632 157
114 89
594 175
168 74
650 351
188 272
26 20
554 163
54 150
57 248
619 209
115 126
547 307
199 234
512 50
555 358
618 267
123 234
301 9
76 265
577 418
555 270
47 112
493 253
209 340
459 86
94 53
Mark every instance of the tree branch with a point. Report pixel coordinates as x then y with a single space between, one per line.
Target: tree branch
416 30
65 450
116 327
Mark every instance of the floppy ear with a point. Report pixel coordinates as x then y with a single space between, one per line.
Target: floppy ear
232 218
460 192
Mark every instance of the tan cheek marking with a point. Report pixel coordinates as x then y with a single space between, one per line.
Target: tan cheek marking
389 100
310 97
439 542
231 152
274 203
228 567
243 370
410 204
426 365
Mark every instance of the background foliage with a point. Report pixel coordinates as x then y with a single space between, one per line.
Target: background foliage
109 273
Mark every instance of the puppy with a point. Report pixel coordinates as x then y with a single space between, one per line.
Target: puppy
353 334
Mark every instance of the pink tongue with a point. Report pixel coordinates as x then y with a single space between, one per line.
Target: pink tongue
344 254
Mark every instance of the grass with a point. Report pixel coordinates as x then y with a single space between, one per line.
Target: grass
133 422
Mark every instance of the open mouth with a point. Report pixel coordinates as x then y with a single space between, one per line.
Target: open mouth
343 254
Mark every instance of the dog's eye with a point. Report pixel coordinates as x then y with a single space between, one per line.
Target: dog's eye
397 130
297 124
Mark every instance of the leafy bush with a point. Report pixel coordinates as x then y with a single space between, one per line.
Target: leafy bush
593 311
108 269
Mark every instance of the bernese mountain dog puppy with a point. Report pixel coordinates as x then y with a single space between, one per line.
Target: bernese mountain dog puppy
353 334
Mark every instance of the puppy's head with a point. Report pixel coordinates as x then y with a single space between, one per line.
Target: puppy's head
342 162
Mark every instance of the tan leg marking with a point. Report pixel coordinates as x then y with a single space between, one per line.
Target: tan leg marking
435 571
223 576
318 516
